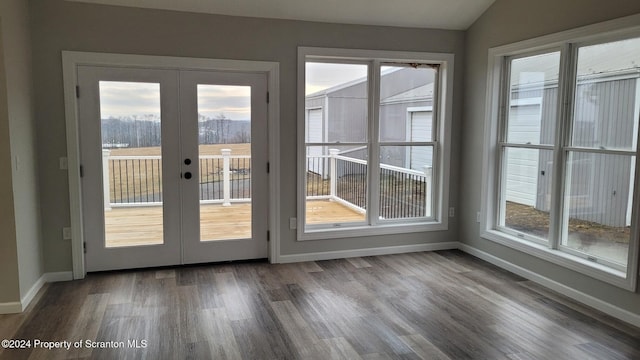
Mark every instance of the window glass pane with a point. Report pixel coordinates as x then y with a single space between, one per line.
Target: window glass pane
599 192
336 187
533 99
406 102
337 93
607 96
526 198
406 181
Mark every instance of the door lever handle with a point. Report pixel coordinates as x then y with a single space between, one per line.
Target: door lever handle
187 175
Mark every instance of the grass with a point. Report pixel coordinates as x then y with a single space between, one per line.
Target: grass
529 220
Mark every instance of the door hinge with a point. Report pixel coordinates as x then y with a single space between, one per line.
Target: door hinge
77 91
267 97
268 235
268 167
81 171
84 247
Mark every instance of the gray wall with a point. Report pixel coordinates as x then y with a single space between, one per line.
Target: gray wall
508 21
21 178
8 248
58 25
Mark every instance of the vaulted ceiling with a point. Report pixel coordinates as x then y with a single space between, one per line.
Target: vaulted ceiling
439 14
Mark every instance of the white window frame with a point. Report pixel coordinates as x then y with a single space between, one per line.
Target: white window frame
568 42
442 148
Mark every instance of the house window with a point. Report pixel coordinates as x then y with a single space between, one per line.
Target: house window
560 175
375 143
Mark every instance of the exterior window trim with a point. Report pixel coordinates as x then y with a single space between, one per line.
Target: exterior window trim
569 41
374 58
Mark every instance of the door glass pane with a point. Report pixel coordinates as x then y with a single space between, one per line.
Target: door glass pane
406 182
607 96
526 191
598 208
533 99
131 163
224 138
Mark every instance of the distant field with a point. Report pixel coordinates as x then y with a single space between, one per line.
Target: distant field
236 149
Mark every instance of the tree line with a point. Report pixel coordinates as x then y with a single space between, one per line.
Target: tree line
146 131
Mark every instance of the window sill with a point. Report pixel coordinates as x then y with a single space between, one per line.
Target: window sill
569 261
359 230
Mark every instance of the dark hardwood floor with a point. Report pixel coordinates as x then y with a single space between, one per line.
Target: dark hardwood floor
434 305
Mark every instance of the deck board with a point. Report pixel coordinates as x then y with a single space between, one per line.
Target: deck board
134 226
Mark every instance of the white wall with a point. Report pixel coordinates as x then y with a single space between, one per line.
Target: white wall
508 21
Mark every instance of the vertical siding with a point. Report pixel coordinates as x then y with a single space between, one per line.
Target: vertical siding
393 127
604 115
347 114
604 118
547 132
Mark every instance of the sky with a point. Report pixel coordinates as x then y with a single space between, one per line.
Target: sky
320 76
129 99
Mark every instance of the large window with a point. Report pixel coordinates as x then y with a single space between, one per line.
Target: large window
560 175
374 142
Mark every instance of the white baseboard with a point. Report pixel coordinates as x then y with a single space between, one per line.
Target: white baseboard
341 254
28 297
10 308
58 276
18 307
586 299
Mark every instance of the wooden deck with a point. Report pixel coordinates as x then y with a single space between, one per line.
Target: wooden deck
136 226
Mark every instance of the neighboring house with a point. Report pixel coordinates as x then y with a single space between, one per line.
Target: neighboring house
605 90
339 114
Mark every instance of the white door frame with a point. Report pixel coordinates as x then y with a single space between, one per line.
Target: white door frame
72 59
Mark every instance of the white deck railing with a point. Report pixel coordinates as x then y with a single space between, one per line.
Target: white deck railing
225 178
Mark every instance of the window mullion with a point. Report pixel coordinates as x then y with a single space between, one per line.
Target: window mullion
373 188
503 103
559 208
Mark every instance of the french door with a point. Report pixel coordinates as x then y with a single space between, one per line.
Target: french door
174 166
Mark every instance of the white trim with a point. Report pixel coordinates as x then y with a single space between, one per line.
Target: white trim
526 102
562 258
342 254
31 294
586 299
636 120
442 144
613 28
603 32
58 276
360 229
18 307
45 278
10 308
72 59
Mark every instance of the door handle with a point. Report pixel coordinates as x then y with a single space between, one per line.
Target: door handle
187 175
187 161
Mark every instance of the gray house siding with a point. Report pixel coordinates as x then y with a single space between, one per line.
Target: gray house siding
600 185
393 127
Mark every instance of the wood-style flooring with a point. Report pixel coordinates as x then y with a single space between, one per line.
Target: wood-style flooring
134 226
433 305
